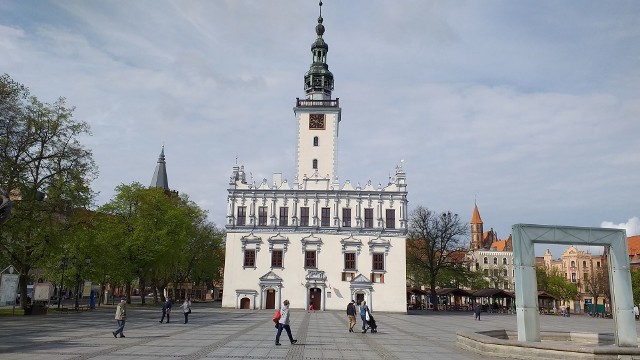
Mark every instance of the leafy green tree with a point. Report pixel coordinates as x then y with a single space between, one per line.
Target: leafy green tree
635 284
148 229
158 238
435 244
553 282
46 169
476 280
203 253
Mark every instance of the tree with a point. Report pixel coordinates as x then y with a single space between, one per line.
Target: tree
162 237
434 245
148 229
597 284
635 284
553 282
41 158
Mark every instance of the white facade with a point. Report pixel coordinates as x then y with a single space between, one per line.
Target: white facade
345 231
316 241
497 267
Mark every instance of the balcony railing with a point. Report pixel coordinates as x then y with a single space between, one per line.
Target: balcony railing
317 103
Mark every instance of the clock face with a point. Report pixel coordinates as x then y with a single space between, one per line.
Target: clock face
316 121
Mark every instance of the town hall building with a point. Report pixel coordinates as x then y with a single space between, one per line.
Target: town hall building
315 241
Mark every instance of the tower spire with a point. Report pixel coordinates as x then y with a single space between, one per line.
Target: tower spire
159 179
318 81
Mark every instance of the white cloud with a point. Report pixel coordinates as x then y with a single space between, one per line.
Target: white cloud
632 226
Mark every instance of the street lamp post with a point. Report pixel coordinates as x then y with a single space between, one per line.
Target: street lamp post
63 266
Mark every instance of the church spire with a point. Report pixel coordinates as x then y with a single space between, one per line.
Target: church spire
318 81
159 179
477 232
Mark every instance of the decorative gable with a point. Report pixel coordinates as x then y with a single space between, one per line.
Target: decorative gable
360 279
379 244
249 240
350 243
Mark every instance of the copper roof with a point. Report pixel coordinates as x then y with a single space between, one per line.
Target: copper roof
475 219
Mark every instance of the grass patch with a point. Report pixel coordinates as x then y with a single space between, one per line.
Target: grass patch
9 311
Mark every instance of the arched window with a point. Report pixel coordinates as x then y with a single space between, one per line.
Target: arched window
315 164
584 264
495 261
504 261
486 261
315 141
573 263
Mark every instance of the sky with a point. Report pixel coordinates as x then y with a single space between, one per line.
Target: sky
529 109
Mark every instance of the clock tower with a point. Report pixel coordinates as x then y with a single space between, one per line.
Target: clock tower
317 117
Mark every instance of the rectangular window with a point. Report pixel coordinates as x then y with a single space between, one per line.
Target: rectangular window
284 216
391 219
346 217
368 218
350 261
378 262
326 217
262 216
304 216
242 215
249 258
276 258
310 259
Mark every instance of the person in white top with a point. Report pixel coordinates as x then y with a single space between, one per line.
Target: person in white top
186 309
121 317
283 323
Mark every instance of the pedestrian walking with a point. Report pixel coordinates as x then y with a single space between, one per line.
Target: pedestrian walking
121 317
186 309
310 307
283 323
636 312
351 314
166 310
477 310
364 309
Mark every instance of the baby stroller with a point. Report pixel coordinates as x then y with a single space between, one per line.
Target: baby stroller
372 324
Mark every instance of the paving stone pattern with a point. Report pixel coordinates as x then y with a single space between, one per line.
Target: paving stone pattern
214 333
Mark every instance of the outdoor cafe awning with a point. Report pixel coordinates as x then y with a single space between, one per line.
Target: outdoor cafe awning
491 293
417 291
453 291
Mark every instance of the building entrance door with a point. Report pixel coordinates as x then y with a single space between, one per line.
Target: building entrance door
271 299
315 298
359 298
245 303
